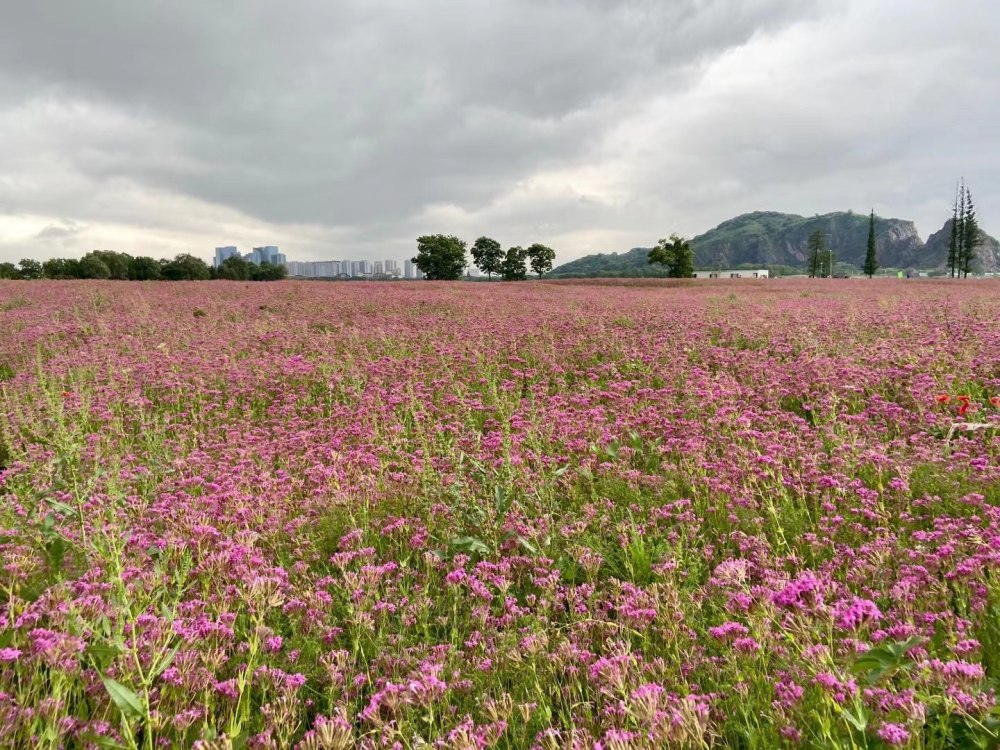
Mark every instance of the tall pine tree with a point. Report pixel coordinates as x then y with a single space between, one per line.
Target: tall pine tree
960 230
817 251
970 236
871 262
953 239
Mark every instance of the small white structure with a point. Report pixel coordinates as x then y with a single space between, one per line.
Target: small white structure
760 273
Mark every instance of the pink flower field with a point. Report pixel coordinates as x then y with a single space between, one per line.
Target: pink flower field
419 515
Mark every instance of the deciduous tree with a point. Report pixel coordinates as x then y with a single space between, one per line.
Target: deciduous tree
145 268
488 256
440 257
676 254
541 258
186 267
30 269
514 266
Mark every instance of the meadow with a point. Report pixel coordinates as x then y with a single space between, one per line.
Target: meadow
546 515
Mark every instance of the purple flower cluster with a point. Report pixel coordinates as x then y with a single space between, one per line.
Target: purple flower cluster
465 516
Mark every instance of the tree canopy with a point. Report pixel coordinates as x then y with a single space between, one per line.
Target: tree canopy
676 254
514 266
871 261
488 256
541 258
440 257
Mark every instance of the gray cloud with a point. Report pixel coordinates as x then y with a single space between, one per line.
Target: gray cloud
342 129
68 228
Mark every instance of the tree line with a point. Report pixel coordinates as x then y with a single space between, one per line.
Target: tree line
442 257
109 264
964 237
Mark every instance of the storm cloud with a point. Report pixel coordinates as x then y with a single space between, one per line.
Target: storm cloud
345 129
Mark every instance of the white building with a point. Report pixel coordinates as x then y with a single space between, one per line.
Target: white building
759 273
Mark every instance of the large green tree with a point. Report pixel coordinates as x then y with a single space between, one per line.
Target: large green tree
440 257
871 259
234 269
268 272
145 268
488 256
541 258
676 254
514 266
92 267
56 268
186 267
30 269
118 264
9 271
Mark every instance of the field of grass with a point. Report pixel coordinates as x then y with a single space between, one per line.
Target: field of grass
616 516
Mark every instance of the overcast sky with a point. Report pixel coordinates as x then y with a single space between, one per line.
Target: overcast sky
346 128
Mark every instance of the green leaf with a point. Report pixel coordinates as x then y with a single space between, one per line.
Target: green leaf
501 500
528 546
859 721
60 506
103 654
470 544
164 663
127 701
102 741
879 657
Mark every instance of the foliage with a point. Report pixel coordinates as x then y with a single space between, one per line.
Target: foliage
970 236
488 256
92 266
820 256
118 264
871 259
186 267
676 254
964 235
541 258
440 257
9 271
29 269
234 269
144 268
513 516
514 266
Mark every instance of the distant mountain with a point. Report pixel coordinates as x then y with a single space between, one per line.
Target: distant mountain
769 238
987 251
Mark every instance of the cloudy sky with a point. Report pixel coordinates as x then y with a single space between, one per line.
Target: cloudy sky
346 128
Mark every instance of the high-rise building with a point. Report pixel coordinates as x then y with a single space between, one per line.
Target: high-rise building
378 267
221 253
267 254
315 269
408 268
392 267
